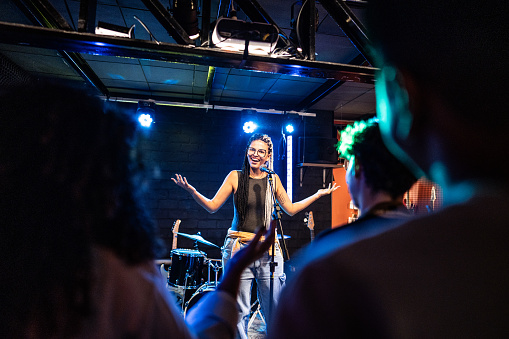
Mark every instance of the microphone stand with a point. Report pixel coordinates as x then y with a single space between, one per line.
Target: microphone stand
276 215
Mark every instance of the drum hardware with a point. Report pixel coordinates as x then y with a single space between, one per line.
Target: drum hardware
187 295
163 262
200 292
213 265
185 289
187 264
186 274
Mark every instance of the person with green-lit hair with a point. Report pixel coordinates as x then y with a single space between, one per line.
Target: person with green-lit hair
376 180
376 183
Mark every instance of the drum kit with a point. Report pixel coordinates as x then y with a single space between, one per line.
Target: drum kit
191 274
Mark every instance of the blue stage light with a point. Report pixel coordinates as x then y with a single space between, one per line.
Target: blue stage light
146 112
291 123
249 127
145 120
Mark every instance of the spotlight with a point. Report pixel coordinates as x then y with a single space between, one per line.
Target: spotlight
145 120
249 120
185 12
235 35
146 111
291 123
249 126
289 128
104 28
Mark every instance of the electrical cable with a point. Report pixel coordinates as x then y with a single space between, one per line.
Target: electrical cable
148 31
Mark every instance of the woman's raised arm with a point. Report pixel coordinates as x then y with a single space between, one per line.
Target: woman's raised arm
211 205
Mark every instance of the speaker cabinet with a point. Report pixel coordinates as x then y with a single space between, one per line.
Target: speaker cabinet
318 150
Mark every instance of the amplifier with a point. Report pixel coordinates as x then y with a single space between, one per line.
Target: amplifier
318 150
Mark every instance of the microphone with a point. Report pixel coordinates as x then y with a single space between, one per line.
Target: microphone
266 170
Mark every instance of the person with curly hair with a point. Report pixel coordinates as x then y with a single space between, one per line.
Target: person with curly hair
376 180
253 206
77 244
376 183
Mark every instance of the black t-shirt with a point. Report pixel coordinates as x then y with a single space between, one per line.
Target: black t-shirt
255 214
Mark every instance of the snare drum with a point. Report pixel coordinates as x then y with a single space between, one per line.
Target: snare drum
186 268
200 293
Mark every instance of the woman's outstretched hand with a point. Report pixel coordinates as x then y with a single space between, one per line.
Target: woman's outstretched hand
182 182
328 190
244 257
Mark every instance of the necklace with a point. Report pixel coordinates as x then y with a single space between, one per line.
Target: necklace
261 176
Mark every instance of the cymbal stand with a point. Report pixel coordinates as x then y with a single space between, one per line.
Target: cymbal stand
196 244
213 264
185 288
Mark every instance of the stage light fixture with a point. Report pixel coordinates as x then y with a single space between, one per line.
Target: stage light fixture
249 120
146 112
249 126
104 28
145 120
234 35
185 12
289 128
291 122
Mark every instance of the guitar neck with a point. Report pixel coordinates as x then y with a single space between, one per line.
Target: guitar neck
174 244
311 225
175 230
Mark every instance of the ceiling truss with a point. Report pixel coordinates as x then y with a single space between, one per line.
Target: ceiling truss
57 34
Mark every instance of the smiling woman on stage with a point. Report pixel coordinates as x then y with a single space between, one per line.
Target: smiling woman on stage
253 206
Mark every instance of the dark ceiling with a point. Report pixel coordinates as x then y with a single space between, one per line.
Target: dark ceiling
56 39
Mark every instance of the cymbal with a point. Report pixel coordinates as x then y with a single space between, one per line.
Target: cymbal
197 237
286 236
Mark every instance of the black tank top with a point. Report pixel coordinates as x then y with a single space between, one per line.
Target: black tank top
255 214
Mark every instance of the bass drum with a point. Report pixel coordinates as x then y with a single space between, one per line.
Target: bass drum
200 293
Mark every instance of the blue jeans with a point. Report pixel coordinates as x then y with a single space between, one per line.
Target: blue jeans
259 271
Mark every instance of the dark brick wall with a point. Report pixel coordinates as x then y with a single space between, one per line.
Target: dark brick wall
204 146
